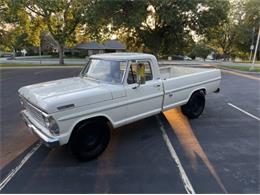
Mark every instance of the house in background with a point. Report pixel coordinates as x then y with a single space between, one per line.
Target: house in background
114 46
92 47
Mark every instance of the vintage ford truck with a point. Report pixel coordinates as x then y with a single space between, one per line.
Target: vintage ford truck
112 90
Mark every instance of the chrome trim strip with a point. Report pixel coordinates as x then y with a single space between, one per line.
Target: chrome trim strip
64 107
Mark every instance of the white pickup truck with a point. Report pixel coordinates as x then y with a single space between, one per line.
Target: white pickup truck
112 90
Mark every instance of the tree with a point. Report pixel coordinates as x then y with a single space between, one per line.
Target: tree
61 17
233 36
161 26
250 22
222 38
200 50
4 19
18 30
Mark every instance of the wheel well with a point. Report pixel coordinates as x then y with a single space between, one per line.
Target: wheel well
203 90
98 119
197 90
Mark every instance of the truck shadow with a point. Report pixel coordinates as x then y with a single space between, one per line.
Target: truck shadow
190 144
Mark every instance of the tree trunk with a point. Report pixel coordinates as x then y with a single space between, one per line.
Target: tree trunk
61 53
226 55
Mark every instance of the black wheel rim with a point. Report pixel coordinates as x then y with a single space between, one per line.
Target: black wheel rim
89 140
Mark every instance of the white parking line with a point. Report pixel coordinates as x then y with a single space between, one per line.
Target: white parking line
16 169
245 112
187 185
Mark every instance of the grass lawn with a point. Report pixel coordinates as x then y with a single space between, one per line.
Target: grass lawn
247 61
241 68
50 58
36 65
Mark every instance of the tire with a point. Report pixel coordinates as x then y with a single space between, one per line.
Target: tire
89 140
195 106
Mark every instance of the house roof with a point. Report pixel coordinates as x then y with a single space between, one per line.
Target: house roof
114 44
110 44
90 45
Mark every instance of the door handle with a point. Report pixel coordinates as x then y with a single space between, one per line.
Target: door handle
136 86
157 85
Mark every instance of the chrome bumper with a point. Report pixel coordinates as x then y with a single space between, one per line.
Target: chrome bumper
47 141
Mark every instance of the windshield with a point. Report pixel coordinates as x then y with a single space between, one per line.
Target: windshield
105 70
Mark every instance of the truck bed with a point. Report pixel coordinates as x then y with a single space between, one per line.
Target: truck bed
180 82
177 71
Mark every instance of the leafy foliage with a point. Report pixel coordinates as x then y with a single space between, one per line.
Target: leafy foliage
18 29
200 50
61 17
161 26
234 36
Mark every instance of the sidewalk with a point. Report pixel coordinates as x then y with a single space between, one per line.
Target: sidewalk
44 60
55 61
215 63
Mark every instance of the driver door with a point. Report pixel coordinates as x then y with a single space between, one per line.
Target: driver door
145 99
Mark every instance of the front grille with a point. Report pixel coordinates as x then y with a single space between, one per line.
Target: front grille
35 113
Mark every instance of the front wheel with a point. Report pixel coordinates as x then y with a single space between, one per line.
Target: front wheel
195 106
89 140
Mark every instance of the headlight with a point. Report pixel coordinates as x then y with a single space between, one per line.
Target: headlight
51 124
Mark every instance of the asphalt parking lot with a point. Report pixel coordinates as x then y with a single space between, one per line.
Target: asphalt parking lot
219 152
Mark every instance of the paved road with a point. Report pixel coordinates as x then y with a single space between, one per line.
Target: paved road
219 151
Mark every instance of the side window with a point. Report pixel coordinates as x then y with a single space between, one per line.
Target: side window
148 71
132 78
132 73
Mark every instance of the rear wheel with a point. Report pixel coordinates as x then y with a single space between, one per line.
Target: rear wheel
89 140
195 106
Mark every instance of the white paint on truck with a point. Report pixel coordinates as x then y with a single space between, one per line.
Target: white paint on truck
62 104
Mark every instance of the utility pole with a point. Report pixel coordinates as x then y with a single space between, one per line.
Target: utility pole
252 44
256 48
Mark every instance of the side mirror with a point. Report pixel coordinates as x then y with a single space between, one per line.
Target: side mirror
140 74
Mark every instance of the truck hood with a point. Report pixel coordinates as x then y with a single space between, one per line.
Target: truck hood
77 91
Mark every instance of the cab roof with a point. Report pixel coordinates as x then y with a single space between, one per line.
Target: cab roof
123 56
